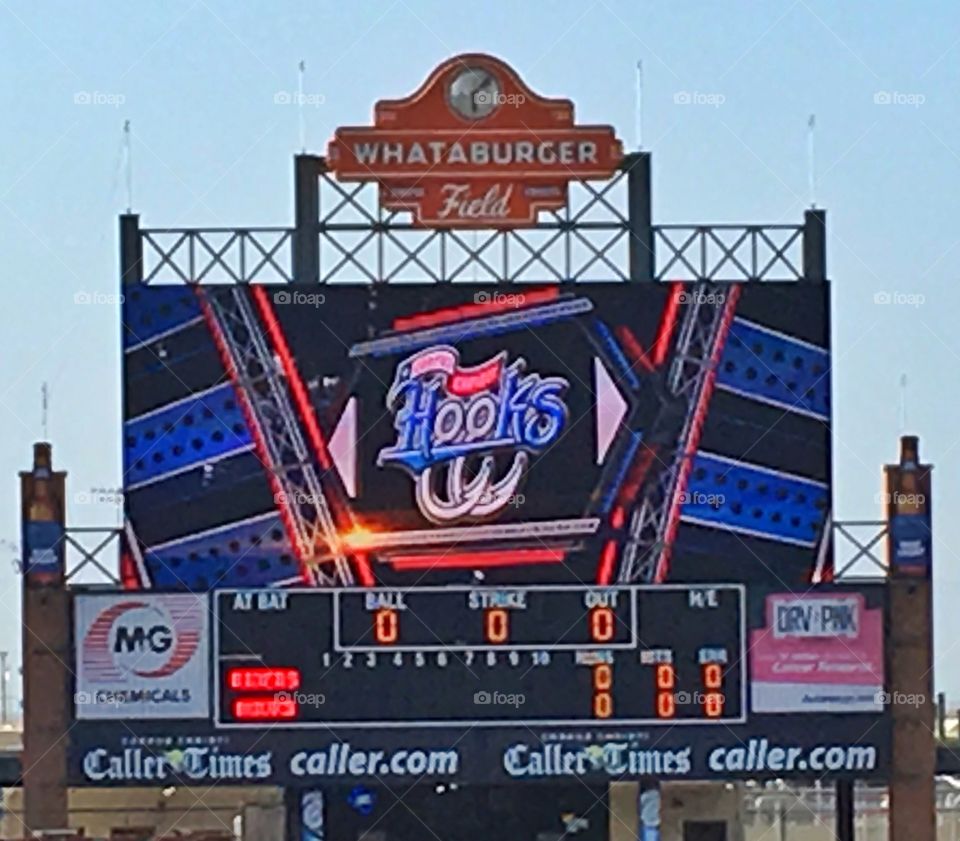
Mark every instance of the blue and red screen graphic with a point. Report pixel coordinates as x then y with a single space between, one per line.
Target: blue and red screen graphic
415 434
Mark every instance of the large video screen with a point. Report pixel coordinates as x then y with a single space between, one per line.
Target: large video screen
424 435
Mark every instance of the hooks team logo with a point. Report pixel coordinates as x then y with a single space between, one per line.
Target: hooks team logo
466 435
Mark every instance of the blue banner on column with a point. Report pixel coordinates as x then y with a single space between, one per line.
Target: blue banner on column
43 550
912 549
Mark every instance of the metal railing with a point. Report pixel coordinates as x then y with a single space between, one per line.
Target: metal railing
605 232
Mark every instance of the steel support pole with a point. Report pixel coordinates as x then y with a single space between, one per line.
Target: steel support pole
845 829
640 216
306 234
131 250
815 245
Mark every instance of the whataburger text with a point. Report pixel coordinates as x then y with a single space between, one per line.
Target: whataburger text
440 157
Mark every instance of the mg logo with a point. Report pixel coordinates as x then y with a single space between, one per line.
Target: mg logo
157 639
136 638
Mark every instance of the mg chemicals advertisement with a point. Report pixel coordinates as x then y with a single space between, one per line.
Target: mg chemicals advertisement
139 657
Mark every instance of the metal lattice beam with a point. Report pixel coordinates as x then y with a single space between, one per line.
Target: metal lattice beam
854 542
217 255
729 252
356 236
605 232
582 251
259 378
703 328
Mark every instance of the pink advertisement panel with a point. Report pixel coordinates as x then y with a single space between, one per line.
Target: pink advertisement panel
817 653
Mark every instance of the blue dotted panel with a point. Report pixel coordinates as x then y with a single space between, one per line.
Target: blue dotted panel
254 554
184 435
150 311
776 368
742 497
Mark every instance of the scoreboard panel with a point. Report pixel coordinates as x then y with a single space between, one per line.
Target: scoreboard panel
480 656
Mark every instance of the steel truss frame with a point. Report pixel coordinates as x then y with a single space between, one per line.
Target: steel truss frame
857 545
708 253
259 379
703 328
605 233
107 538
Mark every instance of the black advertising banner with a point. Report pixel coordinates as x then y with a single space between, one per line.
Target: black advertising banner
855 747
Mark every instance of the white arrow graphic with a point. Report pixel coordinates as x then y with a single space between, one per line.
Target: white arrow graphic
343 447
610 408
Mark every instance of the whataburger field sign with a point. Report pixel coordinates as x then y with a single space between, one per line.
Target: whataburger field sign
474 147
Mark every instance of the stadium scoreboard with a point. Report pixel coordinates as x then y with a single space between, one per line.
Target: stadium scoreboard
480 656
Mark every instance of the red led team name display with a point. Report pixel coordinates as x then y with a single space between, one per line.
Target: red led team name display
630 655
260 678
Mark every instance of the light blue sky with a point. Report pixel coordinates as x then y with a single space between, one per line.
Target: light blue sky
198 79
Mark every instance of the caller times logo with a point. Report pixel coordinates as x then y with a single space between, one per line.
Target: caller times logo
134 764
